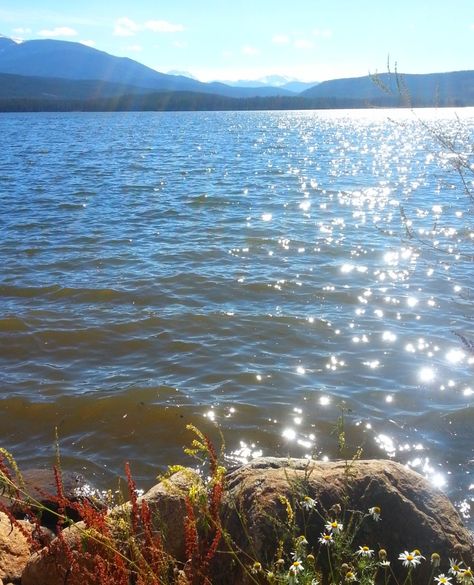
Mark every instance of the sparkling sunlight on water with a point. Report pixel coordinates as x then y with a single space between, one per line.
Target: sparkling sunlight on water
248 270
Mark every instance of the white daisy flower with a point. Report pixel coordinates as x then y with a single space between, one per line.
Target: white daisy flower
375 513
295 555
409 559
296 567
335 527
455 567
326 538
443 580
364 551
417 553
308 503
466 576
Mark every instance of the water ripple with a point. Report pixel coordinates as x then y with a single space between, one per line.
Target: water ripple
251 270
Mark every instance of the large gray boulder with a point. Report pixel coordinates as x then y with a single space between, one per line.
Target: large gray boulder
414 515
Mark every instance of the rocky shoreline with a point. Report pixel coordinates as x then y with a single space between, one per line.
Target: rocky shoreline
414 515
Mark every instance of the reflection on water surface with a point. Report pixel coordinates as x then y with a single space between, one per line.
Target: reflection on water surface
248 270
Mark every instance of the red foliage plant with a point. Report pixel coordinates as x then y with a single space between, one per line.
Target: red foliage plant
127 550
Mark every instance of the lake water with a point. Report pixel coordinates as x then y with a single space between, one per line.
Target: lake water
243 271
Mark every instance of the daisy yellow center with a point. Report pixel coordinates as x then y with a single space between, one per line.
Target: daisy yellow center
334 524
410 557
327 537
376 510
365 548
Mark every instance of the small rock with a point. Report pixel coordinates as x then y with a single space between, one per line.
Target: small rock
15 548
166 503
51 565
40 485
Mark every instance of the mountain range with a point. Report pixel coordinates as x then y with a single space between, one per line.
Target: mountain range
51 74
276 81
75 61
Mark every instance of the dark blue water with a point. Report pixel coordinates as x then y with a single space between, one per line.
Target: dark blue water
252 271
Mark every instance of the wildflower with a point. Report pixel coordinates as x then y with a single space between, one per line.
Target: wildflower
350 576
384 564
301 541
280 564
295 555
435 559
417 553
256 568
465 576
333 526
289 510
364 551
308 503
443 580
296 568
326 538
455 567
382 554
314 581
409 559
310 559
375 513
335 509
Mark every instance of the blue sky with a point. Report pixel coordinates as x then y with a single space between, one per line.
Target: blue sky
311 40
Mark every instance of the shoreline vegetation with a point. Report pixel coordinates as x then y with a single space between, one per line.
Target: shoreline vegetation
271 521
192 101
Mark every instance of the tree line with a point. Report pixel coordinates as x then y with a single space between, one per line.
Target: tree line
192 101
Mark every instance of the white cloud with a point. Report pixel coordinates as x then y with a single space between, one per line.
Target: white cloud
281 39
125 27
163 26
59 31
88 43
303 44
248 50
22 31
